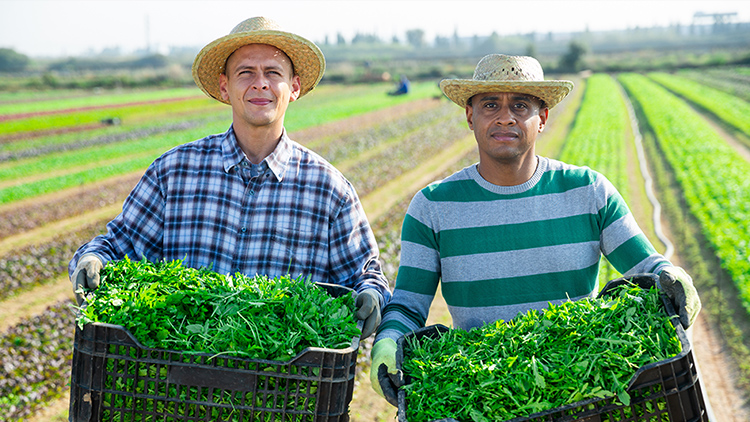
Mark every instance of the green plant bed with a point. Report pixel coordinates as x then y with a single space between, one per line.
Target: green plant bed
17 103
712 175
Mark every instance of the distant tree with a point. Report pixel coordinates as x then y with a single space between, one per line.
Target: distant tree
572 60
531 49
491 45
11 61
360 38
154 61
415 37
340 39
442 42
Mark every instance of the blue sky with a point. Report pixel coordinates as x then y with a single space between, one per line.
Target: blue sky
58 28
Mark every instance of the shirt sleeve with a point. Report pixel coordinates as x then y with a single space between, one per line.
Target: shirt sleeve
354 253
137 231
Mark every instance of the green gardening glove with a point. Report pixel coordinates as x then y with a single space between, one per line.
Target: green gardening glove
678 286
384 375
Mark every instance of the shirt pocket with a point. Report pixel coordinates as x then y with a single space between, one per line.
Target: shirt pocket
298 252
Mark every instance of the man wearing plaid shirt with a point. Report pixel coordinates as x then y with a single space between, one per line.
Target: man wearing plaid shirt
250 200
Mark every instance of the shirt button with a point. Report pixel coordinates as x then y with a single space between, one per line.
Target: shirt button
243 230
252 192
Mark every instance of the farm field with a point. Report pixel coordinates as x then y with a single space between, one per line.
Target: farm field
65 170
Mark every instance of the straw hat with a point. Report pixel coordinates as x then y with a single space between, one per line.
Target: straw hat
501 73
306 57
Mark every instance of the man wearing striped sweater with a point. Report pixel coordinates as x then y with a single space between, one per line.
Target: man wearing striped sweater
516 231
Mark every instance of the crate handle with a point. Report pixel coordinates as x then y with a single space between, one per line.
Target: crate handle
212 377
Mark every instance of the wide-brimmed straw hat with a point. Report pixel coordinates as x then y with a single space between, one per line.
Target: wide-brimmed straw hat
306 57
501 73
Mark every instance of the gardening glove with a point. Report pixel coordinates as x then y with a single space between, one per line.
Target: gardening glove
368 309
86 274
678 286
384 376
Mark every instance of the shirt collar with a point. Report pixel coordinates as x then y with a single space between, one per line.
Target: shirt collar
277 161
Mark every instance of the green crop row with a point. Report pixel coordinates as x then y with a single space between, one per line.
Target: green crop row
730 109
713 176
337 102
601 132
729 80
95 116
599 140
71 168
53 101
329 103
90 165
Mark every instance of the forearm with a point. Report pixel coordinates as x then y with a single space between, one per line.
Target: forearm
406 312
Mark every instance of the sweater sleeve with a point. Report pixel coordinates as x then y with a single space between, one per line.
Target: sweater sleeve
418 273
622 240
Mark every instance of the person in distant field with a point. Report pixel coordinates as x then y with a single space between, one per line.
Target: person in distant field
403 86
249 200
516 231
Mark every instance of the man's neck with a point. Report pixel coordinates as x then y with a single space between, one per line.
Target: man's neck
257 143
512 173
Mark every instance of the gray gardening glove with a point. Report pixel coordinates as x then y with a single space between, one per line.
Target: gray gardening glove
86 274
678 286
368 309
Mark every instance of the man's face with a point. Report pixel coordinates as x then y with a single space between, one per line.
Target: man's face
506 124
259 84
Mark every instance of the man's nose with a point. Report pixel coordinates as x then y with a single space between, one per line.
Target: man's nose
260 82
505 116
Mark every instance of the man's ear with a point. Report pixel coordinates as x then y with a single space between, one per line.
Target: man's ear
470 116
223 87
296 88
543 115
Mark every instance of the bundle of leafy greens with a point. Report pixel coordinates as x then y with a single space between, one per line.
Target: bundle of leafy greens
538 361
168 306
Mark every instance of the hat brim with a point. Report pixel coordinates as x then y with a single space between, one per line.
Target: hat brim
307 59
551 92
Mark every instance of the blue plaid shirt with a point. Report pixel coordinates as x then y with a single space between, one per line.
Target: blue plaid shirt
206 204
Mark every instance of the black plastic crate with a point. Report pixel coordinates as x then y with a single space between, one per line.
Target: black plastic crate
115 378
668 390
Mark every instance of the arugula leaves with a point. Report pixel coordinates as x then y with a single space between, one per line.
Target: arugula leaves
168 306
538 361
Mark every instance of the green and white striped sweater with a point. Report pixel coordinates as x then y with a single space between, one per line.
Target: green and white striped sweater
501 250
